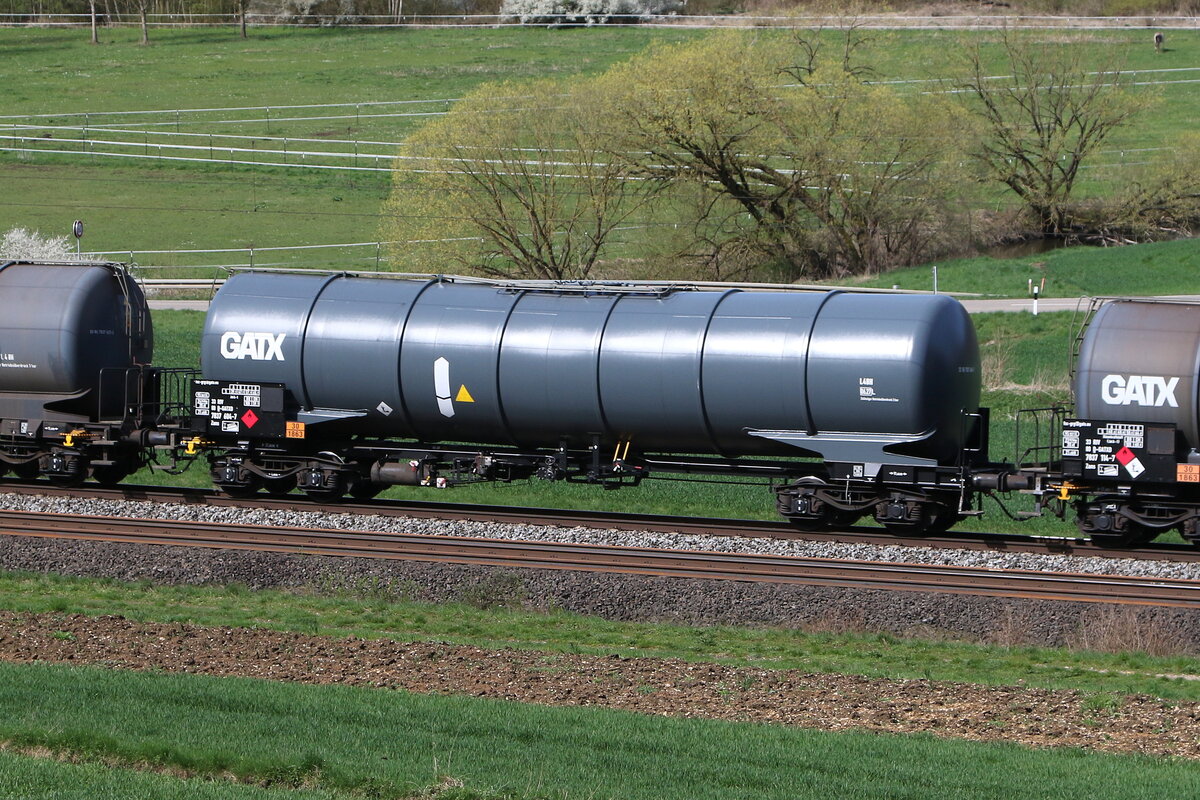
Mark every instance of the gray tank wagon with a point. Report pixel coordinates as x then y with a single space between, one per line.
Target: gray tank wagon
552 379
1140 363
74 342
1131 456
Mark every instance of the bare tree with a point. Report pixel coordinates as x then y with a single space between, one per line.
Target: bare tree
1042 121
511 183
142 8
92 10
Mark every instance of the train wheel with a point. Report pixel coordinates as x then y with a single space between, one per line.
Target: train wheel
325 485
69 480
110 474
67 468
1133 535
363 489
943 519
279 487
27 471
247 489
327 494
915 517
1107 525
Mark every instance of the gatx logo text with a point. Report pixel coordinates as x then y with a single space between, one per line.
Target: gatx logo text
255 346
1139 390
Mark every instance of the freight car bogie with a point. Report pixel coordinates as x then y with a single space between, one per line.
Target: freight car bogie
1122 521
69 455
914 513
326 475
363 470
814 503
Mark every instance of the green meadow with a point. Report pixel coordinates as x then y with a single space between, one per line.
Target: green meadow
280 82
333 741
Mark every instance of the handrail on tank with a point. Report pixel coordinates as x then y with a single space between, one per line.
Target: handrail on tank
527 284
42 262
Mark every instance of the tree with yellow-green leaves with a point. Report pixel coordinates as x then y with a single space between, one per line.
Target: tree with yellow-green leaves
512 182
755 150
806 164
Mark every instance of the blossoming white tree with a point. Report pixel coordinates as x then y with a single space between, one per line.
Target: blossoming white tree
25 245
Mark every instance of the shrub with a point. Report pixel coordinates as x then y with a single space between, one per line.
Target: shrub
25 245
585 12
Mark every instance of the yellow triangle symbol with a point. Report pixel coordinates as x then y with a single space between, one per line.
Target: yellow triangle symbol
463 395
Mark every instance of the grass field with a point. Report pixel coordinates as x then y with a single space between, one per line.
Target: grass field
385 610
1148 269
133 205
362 742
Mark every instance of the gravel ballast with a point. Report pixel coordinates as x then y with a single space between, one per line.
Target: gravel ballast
580 535
617 597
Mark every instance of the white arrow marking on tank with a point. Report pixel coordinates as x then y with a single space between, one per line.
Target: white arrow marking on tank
441 387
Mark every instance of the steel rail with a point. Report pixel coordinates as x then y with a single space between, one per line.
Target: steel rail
961 540
1027 584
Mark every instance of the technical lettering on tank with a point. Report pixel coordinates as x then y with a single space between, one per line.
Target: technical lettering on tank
9 361
1139 390
255 346
867 392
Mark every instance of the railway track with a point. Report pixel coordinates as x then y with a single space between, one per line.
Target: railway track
627 560
617 520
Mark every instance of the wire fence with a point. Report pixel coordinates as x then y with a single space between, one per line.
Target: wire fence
202 268
214 264
262 151
867 21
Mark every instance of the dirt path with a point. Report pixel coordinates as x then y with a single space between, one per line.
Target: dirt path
1037 717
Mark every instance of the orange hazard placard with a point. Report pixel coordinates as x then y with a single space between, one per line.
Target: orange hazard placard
1187 473
295 430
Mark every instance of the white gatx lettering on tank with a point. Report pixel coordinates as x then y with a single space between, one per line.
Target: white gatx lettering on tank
255 346
1139 390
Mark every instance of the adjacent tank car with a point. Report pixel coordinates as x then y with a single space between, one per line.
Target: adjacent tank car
77 394
1130 459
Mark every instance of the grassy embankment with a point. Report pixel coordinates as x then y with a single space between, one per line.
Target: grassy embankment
349 742
492 617
1163 268
343 742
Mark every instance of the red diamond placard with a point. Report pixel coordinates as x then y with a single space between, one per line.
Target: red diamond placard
1125 455
249 418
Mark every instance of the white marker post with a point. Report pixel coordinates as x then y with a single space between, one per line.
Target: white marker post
1036 291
